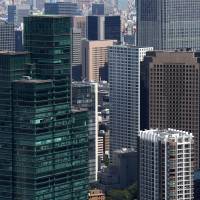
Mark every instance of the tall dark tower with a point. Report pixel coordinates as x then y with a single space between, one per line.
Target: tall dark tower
12 67
58 145
44 141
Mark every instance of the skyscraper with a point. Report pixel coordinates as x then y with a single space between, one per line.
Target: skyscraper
197 185
79 22
94 58
165 164
85 96
62 8
19 40
12 66
47 155
112 28
170 92
7 36
60 134
12 9
124 77
76 54
103 28
23 10
79 32
168 24
98 9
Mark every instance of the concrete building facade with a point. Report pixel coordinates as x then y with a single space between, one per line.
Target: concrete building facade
165 165
94 57
170 92
124 78
164 24
7 36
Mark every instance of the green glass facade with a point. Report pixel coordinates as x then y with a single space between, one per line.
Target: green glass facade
48 38
64 145
44 143
47 164
12 67
33 139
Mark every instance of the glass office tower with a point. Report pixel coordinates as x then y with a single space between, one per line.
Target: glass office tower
166 24
49 162
103 27
12 67
64 175
85 95
44 143
112 28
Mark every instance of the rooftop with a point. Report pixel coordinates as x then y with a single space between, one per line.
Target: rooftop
78 110
12 53
165 133
31 81
83 83
47 16
125 150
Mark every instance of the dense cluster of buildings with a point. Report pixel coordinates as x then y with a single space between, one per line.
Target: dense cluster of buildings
91 101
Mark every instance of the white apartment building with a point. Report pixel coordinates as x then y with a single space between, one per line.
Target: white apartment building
124 78
166 163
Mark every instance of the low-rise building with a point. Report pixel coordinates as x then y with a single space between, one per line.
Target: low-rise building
96 194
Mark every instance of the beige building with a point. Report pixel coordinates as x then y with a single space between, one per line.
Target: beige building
79 22
172 80
96 194
94 58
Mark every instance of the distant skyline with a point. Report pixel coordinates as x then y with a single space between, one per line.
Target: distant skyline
123 4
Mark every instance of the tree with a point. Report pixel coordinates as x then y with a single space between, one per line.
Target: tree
126 194
120 194
133 191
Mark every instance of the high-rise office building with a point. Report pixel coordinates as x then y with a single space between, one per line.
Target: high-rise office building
103 28
45 159
165 164
76 55
16 13
12 66
23 10
79 33
197 185
85 96
165 24
170 92
40 4
112 28
111 6
12 13
76 45
62 8
7 36
79 22
98 9
61 139
124 77
19 40
94 58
